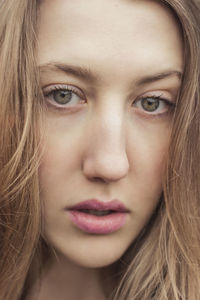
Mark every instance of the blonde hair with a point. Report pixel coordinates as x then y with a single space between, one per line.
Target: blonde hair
19 102
164 261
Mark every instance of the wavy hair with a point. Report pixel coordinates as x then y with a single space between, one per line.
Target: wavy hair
164 261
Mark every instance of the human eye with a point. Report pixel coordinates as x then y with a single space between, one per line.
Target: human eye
156 105
63 96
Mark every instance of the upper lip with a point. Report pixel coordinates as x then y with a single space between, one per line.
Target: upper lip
94 204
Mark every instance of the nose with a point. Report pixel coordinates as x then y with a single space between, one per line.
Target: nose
106 157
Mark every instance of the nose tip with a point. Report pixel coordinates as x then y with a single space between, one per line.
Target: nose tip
105 153
106 168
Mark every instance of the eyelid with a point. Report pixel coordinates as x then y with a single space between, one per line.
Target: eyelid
159 96
50 88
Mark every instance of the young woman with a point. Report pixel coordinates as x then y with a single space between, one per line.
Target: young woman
99 158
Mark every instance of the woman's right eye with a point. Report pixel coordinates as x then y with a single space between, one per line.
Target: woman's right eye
63 96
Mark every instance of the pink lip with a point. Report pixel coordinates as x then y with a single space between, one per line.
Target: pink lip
98 224
115 205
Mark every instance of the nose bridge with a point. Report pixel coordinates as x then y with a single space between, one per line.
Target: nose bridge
109 131
106 153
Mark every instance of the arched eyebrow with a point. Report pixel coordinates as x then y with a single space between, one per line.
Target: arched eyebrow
159 76
80 72
87 75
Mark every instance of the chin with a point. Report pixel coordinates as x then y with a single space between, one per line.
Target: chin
95 261
99 253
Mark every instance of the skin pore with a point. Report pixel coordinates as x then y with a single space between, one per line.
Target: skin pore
122 60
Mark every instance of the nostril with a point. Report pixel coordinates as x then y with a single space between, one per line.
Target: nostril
97 179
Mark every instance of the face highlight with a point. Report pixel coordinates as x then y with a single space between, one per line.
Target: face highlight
110 74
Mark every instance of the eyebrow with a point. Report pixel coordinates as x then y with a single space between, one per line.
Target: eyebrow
87 75
159 76
79 72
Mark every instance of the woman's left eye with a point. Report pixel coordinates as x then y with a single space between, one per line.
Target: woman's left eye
63 96
154 105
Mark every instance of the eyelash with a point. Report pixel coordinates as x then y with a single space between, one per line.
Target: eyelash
48 91
171 105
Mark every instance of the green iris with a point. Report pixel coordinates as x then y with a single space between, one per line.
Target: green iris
150 104
62 96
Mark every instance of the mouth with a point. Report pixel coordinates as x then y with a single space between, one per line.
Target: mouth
94 205
99 213
96 217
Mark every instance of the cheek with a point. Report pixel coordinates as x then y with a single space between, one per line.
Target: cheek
55 173
148 143
147 156
61 150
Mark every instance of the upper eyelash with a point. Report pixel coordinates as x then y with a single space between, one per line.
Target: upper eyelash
152 96
170 103
47 91
171 106
157 98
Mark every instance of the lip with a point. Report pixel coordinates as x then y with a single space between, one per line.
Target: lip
93 224
94 204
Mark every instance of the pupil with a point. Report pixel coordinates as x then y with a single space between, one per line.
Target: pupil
150 104
62 97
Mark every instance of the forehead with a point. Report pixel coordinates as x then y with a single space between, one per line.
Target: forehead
122 32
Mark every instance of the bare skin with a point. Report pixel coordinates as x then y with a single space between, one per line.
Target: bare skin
105 143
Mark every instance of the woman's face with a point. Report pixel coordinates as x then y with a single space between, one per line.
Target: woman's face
110 73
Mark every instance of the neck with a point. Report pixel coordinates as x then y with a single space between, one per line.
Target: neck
62 278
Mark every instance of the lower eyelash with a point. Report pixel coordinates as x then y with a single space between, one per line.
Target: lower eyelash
155 115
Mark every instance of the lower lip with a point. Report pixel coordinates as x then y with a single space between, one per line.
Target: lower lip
98 224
